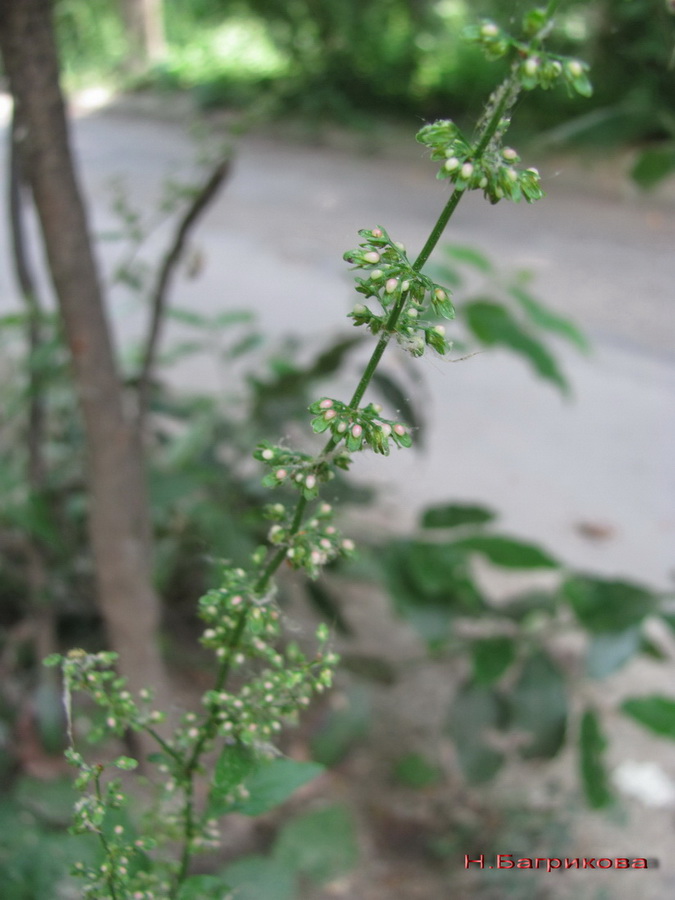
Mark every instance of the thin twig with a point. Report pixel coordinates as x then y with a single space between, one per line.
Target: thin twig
201 201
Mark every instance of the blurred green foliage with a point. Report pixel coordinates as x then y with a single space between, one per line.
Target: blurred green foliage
349 59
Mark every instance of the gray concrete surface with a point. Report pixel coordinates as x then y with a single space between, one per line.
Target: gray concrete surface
602 254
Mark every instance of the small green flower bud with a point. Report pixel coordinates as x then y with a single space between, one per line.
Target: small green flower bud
440 295
348 545
325 404
531 65
439 329
575 68
489 30
267 454
371 256
405 286
377 233
400 246
329 414
413 313
391 285
357 431
467 170
400 429
310 482
509 153
451 164
341 427
280 474
376 274
512 175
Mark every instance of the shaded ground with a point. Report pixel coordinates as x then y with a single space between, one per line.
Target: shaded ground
274 242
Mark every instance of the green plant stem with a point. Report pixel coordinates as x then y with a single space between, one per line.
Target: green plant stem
209 727
106 846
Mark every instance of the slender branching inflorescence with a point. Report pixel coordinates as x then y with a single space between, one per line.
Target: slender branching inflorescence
263 682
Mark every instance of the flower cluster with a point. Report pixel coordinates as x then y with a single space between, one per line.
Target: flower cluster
397 285
257 712
300 470
392 275
495 171
93 674
359 428
535 67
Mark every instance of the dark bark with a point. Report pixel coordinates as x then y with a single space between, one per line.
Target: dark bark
119 519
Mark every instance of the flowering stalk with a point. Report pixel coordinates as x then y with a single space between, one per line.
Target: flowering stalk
242 620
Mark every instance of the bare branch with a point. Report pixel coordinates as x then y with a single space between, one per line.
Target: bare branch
199 205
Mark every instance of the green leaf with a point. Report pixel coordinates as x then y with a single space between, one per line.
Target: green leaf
320 844
273 783
452 515
654 712
259 878
470 256
653 165
592 746
491 657
507 552
607 606
476 709
543 317
203 887
538 704
608 651
415 771
492 324
235 763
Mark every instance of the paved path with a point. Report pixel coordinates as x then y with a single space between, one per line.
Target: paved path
274 242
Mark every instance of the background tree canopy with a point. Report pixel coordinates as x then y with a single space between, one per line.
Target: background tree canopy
351 59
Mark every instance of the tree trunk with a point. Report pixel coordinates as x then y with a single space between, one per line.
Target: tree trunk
119 521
